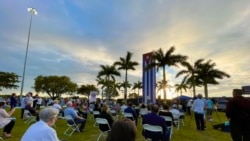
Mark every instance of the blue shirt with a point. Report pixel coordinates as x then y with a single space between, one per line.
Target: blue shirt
199 106
70 111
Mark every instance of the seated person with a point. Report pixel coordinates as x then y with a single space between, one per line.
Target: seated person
42 130
58 107
123 130
77 119
131 110
154 119
165 112
32 110
80 112
5 121
104 114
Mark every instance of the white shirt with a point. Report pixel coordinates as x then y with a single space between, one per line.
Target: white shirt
39 101
57 106
4 118
40 131
199 106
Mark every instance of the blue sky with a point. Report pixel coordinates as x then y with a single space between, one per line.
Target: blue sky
74 37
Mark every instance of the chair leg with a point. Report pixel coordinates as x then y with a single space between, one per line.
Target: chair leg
99 136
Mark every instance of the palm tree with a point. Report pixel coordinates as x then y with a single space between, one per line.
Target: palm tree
190 74
163 85
126 64
109 72
162 60
207 74
180 87
137 85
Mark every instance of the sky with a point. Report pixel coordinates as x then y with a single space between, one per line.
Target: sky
75 37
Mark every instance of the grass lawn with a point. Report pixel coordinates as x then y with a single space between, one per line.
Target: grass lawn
187 132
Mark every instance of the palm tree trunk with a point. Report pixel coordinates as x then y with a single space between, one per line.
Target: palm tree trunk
125 87
164 79
206 90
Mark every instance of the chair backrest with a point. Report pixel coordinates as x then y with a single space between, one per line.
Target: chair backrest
113 112
96 113
129 115
167 118
143 111
152 128
103 121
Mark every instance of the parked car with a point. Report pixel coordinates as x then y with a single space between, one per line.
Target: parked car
222 104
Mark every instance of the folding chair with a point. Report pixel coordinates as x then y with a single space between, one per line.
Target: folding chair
28 117
95 115
102 121
129 115
71 127
169 120
152 128
178 118
114 114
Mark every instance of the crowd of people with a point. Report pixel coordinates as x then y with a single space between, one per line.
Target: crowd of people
237 111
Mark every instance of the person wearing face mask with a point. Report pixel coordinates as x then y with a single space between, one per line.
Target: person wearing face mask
6 121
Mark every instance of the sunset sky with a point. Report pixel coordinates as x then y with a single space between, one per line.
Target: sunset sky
74 37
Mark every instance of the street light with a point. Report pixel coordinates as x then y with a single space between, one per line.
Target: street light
32 12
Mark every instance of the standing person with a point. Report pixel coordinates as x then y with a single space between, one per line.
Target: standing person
42 130
238 114
198 108
5 120
189 105
13 101
23 104
210 108
39 102
122 130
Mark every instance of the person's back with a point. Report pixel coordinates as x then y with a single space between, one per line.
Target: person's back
238 113
154 119
104 114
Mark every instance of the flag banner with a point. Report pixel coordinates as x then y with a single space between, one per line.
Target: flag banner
92 97
148 80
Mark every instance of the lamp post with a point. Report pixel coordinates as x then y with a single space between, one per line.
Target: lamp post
32 12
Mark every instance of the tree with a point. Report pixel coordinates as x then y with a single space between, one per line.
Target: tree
137 85
207 74
126 64
161 60
163 85
180 87
86 89
191 73
54 86
108 72
8 80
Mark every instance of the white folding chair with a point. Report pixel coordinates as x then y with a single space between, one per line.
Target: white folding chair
178 118
28 117
114 114
72 126
169 120
152 128
102 121
95 115
129 115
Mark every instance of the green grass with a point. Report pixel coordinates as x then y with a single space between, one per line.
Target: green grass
187 132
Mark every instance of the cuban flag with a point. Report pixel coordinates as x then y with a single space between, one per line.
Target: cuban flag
148 80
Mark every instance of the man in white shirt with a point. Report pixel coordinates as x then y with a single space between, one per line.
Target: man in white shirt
42 130
58 107
198 108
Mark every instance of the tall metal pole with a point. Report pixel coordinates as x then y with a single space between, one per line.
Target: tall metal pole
32 11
